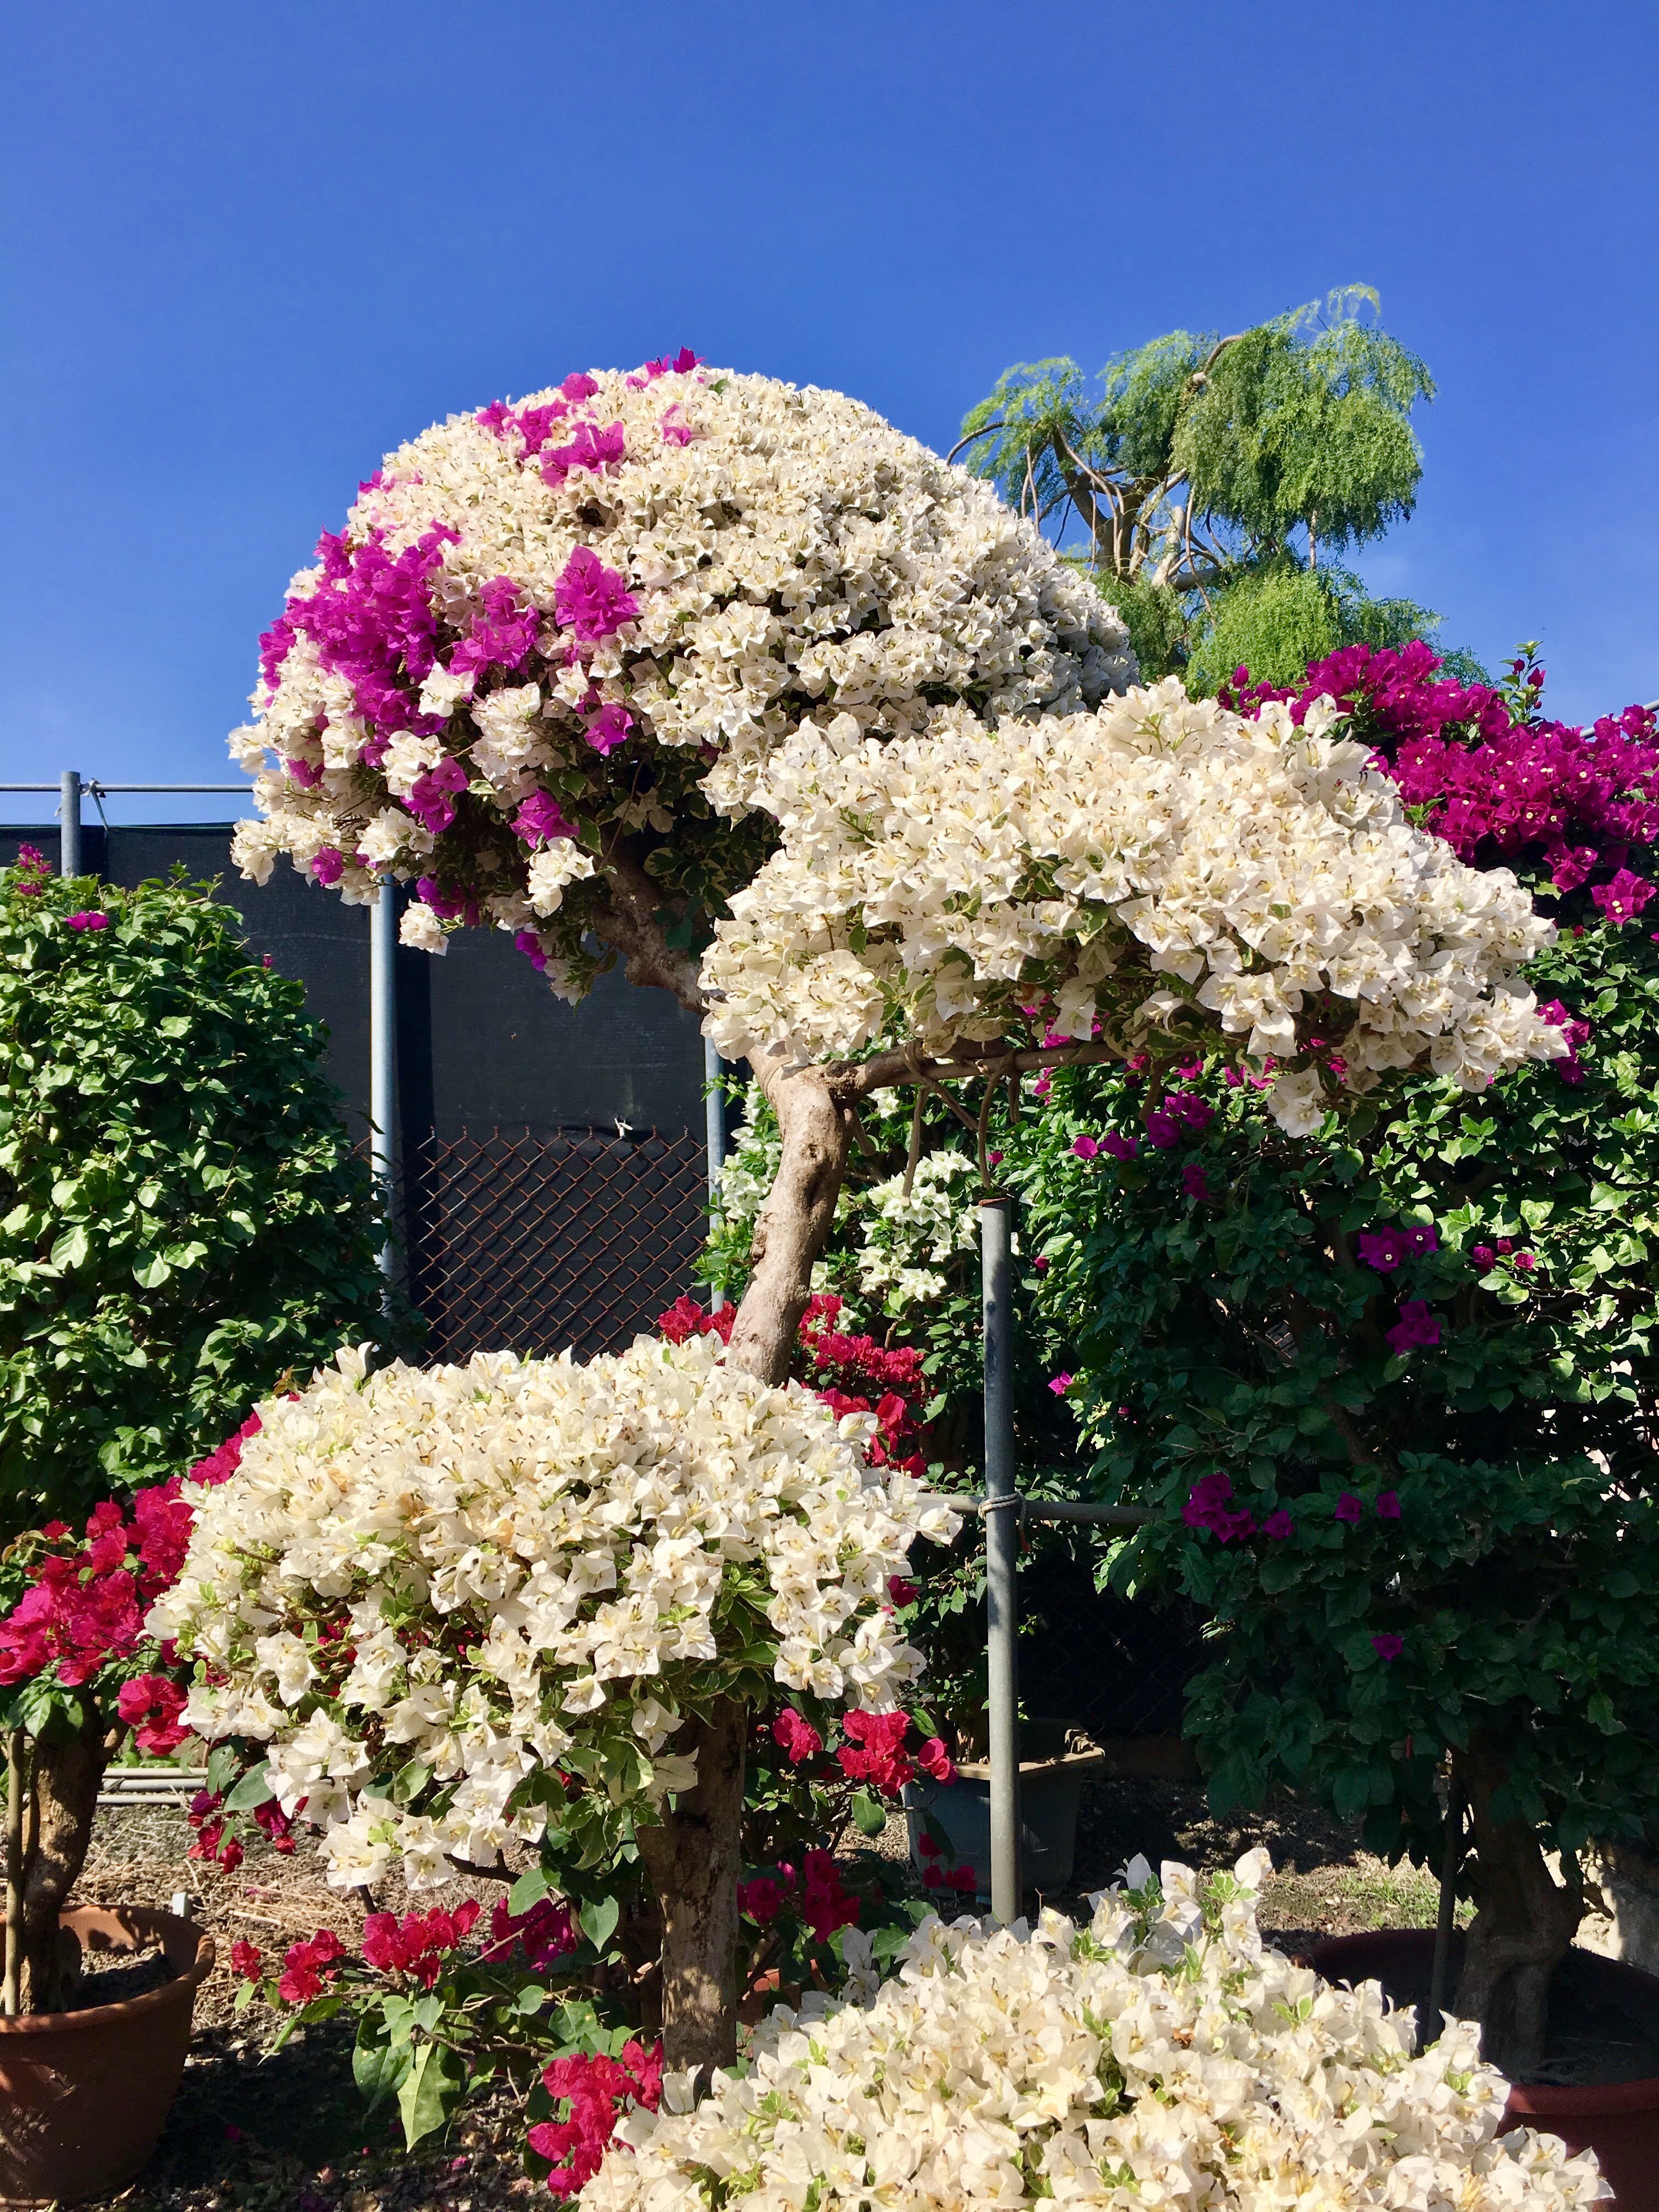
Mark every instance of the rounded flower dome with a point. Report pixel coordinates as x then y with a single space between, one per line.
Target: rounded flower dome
568 630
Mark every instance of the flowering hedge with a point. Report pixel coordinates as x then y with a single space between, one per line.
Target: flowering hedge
462 1607
1388 1388
181 1218
1160 2053
561 633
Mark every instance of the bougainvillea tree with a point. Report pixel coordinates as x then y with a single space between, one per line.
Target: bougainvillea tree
1392 1387
686 663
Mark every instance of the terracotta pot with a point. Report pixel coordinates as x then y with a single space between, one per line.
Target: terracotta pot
83 2094
1618 2120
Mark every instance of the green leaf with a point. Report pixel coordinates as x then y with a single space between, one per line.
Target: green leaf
430 2086
598 1922
151 1271
378 2066
527 1893
869 1812
223 1762
70 1250
254 1789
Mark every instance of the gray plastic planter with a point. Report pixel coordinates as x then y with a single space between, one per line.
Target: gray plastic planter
1049 1791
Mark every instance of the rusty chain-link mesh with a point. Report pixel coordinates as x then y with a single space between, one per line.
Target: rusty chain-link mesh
523 1243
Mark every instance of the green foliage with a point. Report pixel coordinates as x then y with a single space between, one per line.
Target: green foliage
1197 465
181 1218
1244 1334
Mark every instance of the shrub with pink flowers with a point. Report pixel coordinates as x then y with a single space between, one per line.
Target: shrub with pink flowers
1390 1386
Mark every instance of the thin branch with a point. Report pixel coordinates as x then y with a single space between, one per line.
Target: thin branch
970 438
628 921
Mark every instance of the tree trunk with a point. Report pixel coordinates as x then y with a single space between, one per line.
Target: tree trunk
1524 1925
796 1219
694 1858
65 1799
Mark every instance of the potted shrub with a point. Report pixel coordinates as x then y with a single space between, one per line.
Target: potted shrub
1388 1383
89 2059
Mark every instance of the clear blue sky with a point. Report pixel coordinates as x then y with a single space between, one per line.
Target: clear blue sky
249 247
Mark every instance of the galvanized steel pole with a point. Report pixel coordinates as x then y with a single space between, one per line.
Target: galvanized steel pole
68 818
1001 1511
714 1125
383 1062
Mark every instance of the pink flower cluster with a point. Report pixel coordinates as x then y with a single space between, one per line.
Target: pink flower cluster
1417 1328
307 1965
1580 800
546 1934
418 1944
595 2087
815 1893
874 1752
85 1605
933 1876
1210 1504
1384 1249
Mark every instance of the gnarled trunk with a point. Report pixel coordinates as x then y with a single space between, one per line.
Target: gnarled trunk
795 1222
67 1774
694 1859
1524 1924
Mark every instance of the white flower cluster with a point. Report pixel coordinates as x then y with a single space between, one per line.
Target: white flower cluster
1159 858
908 1236
544 601
459 1581
1161 2055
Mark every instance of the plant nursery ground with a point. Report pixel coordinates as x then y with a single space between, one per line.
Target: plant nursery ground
288 2131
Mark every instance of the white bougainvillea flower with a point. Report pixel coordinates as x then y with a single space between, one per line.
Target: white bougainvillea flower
1160 863
1163 2055
447 1599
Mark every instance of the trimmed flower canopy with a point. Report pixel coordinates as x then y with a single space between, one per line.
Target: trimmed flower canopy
1154 866
1162 2055
564 632
454 1602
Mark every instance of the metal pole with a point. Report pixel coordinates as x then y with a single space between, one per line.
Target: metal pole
68 818
1001 1511
1446 1921
383 1062
714 1124
15 1764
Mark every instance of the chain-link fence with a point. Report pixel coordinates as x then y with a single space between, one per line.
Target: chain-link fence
530 1243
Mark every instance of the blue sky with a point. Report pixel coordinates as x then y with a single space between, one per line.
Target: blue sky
250 248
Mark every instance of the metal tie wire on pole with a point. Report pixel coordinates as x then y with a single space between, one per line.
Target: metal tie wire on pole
1001 1508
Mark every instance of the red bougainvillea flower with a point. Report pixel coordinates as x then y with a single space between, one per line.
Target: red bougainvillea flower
546 1934
593 2087
418 1944
760 1899
902 1592
874 1750
935 1761
796 1736
307 1966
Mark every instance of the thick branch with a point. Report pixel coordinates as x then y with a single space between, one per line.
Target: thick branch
628 922
816 1124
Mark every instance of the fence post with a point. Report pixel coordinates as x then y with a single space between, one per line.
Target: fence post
714 1125
383 1065
1001 1555
68 818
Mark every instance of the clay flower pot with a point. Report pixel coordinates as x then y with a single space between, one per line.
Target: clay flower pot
83 2094
1618 2120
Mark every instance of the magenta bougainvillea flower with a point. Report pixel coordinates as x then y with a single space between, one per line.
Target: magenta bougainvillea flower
1416 1328
1348 1508
1388 1646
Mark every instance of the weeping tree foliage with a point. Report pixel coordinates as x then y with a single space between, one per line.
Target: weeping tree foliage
1209 481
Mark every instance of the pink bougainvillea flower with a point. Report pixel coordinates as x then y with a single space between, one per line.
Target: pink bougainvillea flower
902 1592
1388 1504
590 599
1194 1181
760 1899
1348 1508
1060 1384
1525 1262
1416 1326
328 865
612 726
1483 1255
90 920
1624 898
1119 1148
1278 1526
541 819
1086 1147
1163 1133
874 1752
590 447
246 1960
935 1761
1388 1646
1382 1249
1041 1263
578 386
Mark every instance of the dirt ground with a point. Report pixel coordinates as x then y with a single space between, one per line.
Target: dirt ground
287 2133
